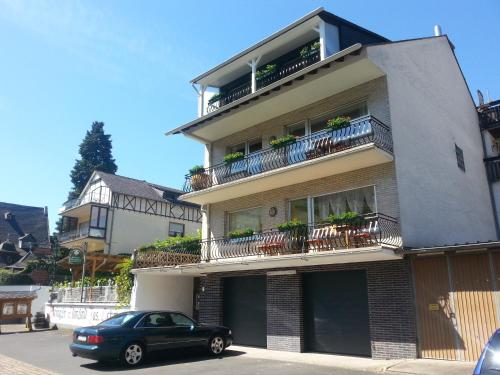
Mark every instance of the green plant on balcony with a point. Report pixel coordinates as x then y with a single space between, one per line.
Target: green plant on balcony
240 233
338 123
265 72
283 141
292 225
233 157
215 98
309 50
197 169
349 218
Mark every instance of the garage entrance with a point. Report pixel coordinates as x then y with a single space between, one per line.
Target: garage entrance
245 309
336 312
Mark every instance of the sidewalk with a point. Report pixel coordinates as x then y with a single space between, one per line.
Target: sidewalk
411 366
11 366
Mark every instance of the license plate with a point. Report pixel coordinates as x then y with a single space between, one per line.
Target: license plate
82 338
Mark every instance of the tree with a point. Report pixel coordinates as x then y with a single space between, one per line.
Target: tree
95 152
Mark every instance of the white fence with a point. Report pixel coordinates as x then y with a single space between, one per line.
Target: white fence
95 294
71 315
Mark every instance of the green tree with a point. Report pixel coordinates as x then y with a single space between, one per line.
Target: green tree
95 153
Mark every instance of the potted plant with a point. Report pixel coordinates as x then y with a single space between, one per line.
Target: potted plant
265 72
283 141
215 98
240 233
339 122
233 157
349 218
297 233
199 178
309 50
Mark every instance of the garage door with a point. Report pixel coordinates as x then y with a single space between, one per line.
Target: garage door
336 313
245 309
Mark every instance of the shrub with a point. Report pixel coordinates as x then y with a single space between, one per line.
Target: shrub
185 245
346 218
338 122
196 169
291 225
309 50
124 282
215 98
283 141
14 278
234 156
264 72
239 233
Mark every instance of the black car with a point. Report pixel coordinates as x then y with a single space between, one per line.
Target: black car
129 336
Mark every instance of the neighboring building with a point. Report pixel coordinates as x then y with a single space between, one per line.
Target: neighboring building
409 163
24 233
116 214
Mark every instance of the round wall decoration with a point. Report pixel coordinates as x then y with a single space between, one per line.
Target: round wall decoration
273 211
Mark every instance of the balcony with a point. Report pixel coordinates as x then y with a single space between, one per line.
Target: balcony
489 117
366 142
365 240
94 237
284 70
100 195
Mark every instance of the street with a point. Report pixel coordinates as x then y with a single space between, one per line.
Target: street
48 350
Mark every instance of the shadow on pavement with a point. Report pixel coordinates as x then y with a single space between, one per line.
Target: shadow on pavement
166 358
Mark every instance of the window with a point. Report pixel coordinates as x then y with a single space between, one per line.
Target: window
353 111
98 220
250 218
297 130
175 230
298 210
460 158
157 320
247 147
181 320
361 201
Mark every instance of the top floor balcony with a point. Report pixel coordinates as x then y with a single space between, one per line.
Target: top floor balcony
489 117
99 195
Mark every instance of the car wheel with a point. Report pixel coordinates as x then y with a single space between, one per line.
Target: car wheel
216 345
133 354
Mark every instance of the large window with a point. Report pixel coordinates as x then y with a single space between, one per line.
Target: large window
298 210
250 218
361 201
352 111
98 220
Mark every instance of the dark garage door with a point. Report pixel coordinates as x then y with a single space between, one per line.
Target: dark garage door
336 312
245 309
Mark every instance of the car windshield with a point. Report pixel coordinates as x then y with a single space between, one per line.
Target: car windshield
491 364
118 320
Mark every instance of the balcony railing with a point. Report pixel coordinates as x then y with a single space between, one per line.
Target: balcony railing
364 130
371 230
282 71
99 195
82 232
489 117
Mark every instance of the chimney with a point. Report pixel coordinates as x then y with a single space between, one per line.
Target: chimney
437 30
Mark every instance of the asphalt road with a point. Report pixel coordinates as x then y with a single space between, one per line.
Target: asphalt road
49 350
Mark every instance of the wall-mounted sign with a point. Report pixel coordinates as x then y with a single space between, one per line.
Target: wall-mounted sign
76 257
8 309
22 308
433 307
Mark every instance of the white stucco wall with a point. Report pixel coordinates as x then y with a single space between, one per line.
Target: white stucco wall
155 291
129 230
73 315
431 111
42 294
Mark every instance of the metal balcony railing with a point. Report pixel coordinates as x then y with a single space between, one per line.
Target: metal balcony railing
100 195
369 230
82 232
282 71
364 130
493 168
489 115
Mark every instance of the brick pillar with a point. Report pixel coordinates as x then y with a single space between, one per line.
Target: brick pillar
210 300
284 312
392 310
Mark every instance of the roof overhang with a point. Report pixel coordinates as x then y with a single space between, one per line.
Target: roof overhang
373 254
339 72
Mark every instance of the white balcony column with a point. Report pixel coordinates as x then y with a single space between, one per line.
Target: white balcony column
201 99
253 64
322 39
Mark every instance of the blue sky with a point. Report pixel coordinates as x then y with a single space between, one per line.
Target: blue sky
65 64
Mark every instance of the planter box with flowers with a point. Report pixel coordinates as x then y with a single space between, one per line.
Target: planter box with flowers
214 98
296 232
310 50
233 157
199 178
265 72
336 124
283 142
241 233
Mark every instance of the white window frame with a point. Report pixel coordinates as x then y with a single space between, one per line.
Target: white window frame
247 145
183 228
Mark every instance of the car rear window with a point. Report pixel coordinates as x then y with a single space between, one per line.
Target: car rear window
118 320
491 363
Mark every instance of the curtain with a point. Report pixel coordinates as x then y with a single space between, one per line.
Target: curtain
361 201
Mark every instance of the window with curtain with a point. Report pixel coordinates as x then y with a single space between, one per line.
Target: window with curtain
245 219
298 210
361 201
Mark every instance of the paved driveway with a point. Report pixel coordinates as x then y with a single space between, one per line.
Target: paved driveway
48 350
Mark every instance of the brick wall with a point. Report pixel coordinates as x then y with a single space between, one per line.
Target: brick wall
390 299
